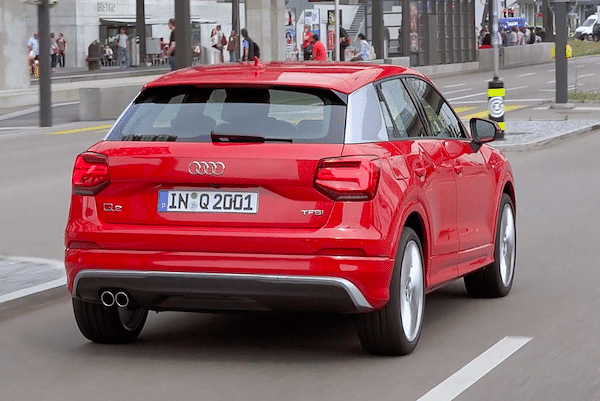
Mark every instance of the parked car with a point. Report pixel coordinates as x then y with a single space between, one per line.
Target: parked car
586 30
343 187
596 33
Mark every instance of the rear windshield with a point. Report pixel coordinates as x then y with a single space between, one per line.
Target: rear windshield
191 114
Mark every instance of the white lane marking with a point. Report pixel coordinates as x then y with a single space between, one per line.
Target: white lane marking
19 128
586 75
466 96
458 90
453 386
546 90
551 82
453 86
505 101
528 74
480 94
552 70
517 87
31 110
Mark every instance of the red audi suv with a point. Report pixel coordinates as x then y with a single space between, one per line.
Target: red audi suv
340 187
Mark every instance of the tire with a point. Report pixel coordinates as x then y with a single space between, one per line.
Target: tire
396 328
108 325
496 279
590 37
597 37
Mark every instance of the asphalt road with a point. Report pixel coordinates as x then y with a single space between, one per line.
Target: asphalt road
318 357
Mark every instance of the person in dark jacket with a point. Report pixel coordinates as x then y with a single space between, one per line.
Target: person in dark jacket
248 46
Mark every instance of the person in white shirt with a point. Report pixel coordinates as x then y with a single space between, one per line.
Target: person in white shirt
33 45
122 49
364 53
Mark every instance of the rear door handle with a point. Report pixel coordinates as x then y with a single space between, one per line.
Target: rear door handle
459 169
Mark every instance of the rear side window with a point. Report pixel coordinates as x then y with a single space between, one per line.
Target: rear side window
400 114
443 122
191 114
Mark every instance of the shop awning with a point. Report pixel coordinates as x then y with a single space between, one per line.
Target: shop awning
131 21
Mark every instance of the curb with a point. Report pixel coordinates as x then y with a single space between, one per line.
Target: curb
523 147
26 291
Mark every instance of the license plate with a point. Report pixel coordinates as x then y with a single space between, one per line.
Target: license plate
208 201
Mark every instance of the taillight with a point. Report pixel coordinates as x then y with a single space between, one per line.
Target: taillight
348 178
90 174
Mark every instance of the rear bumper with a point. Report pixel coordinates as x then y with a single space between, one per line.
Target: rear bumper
216 291
195 281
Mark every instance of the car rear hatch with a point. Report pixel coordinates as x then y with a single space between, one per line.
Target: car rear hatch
222 157
214 184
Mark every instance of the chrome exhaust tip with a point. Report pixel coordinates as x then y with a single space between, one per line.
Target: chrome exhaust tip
107 298
121 299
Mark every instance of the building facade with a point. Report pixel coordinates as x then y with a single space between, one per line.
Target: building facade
85 21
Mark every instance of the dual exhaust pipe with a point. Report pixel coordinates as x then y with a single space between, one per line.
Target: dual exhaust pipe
109 298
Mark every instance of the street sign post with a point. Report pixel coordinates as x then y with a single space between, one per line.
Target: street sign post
496 90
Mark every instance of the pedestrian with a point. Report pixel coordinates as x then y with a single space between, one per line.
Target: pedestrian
520 36
33 45
400 40
513 37
53 52
232 46
108 55
527 35
364 53
122 48
248 46
171 49
344 43
487 42
319 53
221 42
62 48
214 38
307 42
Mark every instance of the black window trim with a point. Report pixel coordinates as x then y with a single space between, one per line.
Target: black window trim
412 98
424 114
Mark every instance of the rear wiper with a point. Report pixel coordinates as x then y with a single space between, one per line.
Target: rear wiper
150 138
220 137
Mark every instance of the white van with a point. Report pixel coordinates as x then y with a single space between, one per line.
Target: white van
586 30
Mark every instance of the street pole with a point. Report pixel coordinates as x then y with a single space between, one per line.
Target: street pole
560 51
140 27
183 33
45 90
235 22
336 46
496 90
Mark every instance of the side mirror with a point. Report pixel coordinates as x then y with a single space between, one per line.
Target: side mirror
483 130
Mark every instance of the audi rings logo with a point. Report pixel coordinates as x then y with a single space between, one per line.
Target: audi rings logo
206 168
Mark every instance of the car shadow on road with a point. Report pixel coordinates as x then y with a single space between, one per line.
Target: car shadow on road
239 337
269 337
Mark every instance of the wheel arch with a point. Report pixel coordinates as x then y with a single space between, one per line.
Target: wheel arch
416 221
509 189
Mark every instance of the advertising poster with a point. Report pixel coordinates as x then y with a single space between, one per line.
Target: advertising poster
291 49
312 18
